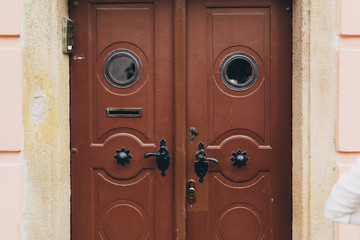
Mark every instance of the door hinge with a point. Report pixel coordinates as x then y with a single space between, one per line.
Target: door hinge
67 35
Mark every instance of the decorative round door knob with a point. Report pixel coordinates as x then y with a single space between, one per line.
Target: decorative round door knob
122 156
239 158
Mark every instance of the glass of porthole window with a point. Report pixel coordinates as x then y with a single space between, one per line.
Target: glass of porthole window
122 68
239 71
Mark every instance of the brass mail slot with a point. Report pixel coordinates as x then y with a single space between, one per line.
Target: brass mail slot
124 112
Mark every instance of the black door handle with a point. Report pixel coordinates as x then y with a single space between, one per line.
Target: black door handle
202 163
162 157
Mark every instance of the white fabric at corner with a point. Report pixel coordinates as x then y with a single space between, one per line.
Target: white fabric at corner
343 204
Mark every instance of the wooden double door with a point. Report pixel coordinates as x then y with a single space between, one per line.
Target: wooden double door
181 119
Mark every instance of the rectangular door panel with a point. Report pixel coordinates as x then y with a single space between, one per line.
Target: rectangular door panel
111 36
121 209
229 31
240 208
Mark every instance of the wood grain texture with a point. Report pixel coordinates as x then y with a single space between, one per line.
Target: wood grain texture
256 120
180 128
106 194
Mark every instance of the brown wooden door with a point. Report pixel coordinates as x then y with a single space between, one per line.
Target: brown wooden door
238 97
121 97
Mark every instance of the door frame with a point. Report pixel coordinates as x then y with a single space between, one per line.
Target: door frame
46 118
180 118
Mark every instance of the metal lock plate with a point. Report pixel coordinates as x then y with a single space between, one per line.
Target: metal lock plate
67 35
191 196
193 133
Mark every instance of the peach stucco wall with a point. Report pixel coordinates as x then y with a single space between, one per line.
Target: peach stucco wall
11 136
349 97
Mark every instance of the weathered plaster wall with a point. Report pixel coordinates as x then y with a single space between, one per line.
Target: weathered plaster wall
314 115
46 122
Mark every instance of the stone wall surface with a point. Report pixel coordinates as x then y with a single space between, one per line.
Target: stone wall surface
314 115
46 122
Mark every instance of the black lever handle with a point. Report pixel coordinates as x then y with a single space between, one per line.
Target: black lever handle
202 163
162 157
150 155
212 160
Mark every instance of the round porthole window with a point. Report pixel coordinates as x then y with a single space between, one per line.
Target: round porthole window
239 71
122 68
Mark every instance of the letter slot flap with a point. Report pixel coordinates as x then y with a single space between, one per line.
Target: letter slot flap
124 112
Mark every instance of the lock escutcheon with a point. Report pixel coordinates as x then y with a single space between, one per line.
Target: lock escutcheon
193 133
191 196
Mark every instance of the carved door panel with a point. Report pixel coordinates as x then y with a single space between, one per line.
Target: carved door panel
121 95
239 100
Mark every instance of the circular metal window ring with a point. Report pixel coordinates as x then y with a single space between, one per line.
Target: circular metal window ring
239 71
122 68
